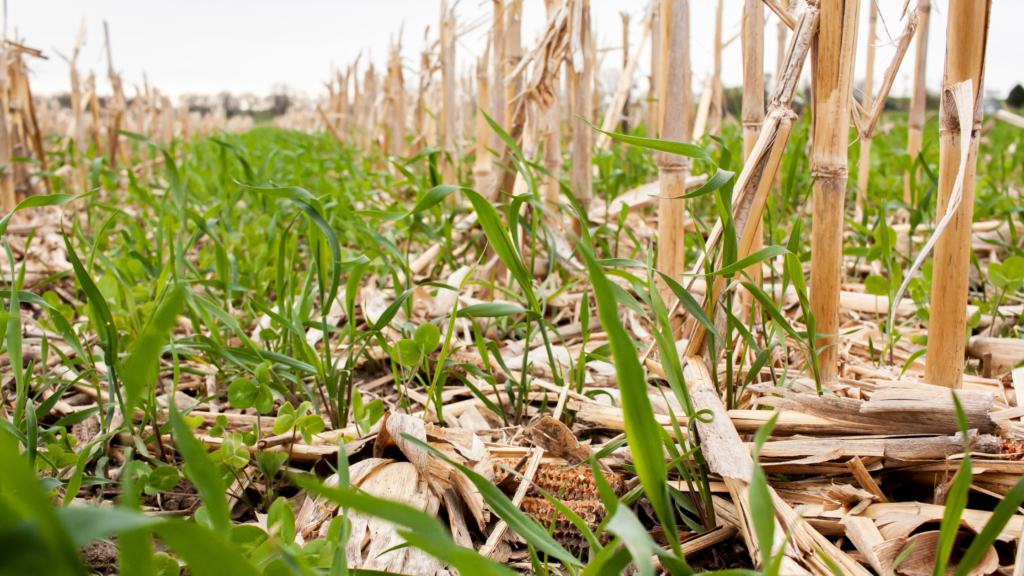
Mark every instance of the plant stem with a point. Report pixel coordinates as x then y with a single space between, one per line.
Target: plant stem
995 310
966 40
673 169
832 86
915 124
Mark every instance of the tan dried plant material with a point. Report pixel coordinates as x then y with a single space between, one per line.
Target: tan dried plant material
847 494
921 559
566 533
371 537
574 487
962 96
868 540
315 515
753 183
960 118
1006 352
619 100
556 438
900 408
572 483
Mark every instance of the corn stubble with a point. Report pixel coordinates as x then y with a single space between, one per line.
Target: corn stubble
463 342
966 42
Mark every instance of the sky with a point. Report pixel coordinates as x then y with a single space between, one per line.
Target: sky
211 46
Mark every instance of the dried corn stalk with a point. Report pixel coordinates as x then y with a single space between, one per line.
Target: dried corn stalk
915 123
448 129
621 98
673 169
396 101
754 182
753 110
831 90
482 166
717 105
959 132
551 128
582 79
864 162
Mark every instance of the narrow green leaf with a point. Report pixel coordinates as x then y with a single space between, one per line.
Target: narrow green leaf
140 369
772 310
956 499
1001 516
106 328
718 179
640 424
389 313
691 305
202 473
19 481
490 310
58 319
621 263
634 536
38 202
760 256
206 552
136 546
678 148
509 141
910 360
432 198
761 506
498 235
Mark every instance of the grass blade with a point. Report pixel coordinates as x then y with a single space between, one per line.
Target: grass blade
498 236
640 424
435 196
24 492
202 473
956 499
139 371
206 552
761 507
39 202
757 257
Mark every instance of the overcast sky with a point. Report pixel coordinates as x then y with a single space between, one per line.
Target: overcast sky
209 46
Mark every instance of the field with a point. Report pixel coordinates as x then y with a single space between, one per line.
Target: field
337 347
